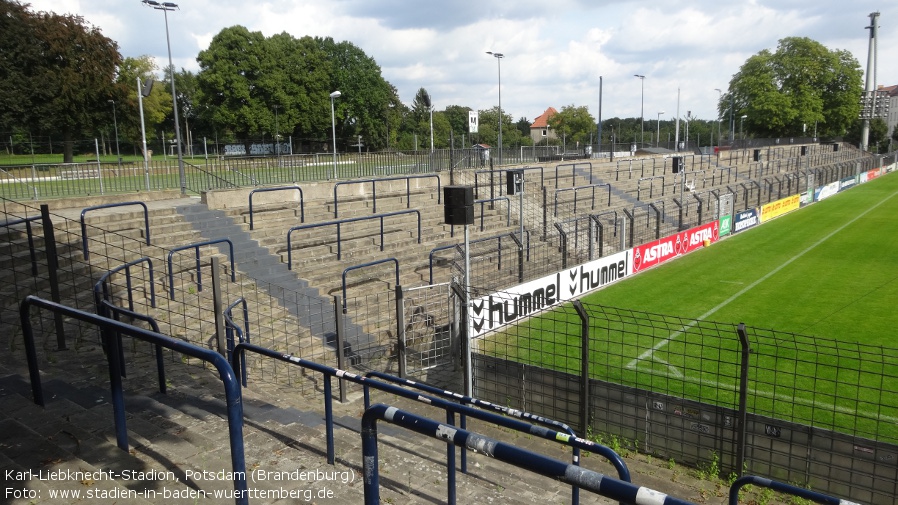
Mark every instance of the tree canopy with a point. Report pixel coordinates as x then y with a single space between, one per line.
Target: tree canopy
58 73
802 83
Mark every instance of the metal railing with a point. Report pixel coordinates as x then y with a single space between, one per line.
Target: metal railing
521 458
373 182
302 209
199 276
784 488
111 329
450 407
340 222
366 265
146 219
29 233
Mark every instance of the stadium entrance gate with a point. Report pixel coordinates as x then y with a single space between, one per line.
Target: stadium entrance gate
426 341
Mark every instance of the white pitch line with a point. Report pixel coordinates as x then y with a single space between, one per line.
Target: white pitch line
776 396
659 345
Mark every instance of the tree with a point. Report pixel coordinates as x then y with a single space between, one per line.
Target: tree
156 107
57 73
366 95
228 82
800 84
489 128
878 138
573 124
457 116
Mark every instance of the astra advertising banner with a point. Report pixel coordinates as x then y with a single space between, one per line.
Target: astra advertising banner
667 248
494 311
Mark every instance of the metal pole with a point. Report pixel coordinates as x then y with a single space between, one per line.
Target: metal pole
143 135
333 95
174 101
469 366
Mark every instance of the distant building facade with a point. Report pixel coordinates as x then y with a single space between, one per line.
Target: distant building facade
540 133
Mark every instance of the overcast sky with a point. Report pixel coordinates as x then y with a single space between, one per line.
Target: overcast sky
555 52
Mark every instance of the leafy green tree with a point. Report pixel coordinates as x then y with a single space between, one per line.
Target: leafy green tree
457 116
66 76
573 124
156 107
489 129
800 84
878 138
228 82
298 88
365 93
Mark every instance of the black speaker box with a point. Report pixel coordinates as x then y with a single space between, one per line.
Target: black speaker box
676 164
757 155
458 205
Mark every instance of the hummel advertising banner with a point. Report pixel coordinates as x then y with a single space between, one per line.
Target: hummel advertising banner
659 251
491 312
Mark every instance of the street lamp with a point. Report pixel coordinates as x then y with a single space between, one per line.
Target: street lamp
165 7
641 108
499 57
741 133
335 94
118 154
719 98
658 135
277 136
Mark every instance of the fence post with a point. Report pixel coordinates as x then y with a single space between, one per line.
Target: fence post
52 272
743 400
217 308
341 357
400 332
584 367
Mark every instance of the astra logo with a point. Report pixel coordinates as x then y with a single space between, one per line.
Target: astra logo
660 250
700 236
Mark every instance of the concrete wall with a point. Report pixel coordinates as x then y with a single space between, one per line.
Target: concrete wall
689 432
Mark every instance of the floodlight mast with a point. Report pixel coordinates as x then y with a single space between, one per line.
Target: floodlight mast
165 7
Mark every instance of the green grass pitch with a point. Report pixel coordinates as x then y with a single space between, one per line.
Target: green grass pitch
827 273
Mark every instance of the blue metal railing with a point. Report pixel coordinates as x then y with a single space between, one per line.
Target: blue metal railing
103 295
146 221
781 487
302 209
574 189
101 287
622 471
109 309
408 194
196 248
497 199
232 329
366 265
485 239
508 453
110 328
450 407
574 167
30 234
338 223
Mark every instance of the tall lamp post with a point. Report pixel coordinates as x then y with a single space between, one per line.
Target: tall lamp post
335 94
277 136
641 108
118 154
741 131
658 135
499 57
719 97
165 7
